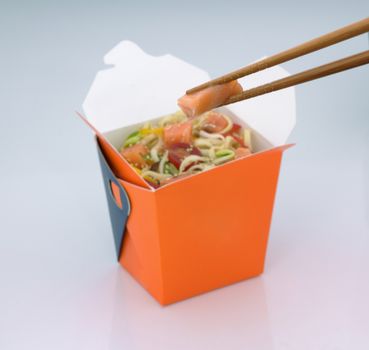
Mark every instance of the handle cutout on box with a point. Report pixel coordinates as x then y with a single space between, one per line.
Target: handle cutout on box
115 192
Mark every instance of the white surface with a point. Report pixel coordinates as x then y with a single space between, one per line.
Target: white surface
140 87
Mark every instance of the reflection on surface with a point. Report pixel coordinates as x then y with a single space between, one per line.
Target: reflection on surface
205 321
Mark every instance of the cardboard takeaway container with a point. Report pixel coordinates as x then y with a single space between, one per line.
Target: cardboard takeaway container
205 231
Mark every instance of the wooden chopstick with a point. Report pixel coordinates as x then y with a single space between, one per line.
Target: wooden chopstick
321 42
308 75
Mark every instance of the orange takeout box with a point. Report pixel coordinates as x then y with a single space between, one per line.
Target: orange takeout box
204 231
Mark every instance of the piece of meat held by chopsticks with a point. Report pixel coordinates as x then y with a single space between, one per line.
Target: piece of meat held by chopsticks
225 89
202 101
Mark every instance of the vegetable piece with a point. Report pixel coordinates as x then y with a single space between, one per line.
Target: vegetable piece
177 133
162 162
235 134
132 139
247 138
180 151
175 159
148 131
239 140
235 128
195 151
169 168
223 153
230 142
138 171
209 98
223 156
136 155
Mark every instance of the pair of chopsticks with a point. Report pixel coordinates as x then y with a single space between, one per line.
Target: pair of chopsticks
316 44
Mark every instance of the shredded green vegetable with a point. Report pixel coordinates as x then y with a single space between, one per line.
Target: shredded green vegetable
223 153
132 139
169 168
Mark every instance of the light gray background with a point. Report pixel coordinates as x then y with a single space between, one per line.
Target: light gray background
60 287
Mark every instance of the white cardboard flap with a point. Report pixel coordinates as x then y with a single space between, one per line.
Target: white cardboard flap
273 115
140 87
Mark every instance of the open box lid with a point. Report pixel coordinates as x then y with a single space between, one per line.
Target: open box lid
140 87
